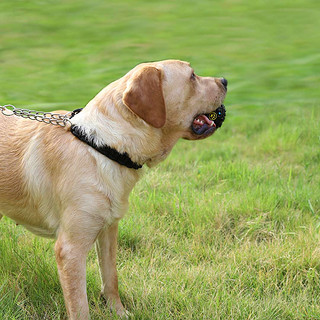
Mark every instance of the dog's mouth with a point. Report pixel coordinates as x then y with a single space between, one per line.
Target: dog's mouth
207 123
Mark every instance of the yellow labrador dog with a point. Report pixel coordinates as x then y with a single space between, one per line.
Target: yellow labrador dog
73 183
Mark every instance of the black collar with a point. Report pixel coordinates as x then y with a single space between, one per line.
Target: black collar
111 153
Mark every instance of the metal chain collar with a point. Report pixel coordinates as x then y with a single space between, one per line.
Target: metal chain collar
47 117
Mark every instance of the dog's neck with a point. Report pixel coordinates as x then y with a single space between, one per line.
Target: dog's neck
109 128
111 153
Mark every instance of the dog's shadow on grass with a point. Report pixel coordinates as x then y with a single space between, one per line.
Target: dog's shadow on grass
130 237
129 242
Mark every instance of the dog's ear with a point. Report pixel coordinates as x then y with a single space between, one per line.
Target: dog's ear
144 96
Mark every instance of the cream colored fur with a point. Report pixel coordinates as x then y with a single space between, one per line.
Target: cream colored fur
57 186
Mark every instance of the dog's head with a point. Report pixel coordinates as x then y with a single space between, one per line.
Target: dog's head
146 111
169 95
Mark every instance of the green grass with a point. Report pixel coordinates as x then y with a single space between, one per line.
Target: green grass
225 228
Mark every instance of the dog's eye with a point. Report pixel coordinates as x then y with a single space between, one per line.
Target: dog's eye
193 76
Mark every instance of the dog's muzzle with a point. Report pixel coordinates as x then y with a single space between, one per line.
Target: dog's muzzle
207 123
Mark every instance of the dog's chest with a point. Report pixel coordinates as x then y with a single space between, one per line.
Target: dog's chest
115 182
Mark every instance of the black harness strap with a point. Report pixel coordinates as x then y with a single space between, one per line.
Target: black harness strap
111 153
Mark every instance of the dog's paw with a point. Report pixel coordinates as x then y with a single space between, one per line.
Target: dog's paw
116 307
124 314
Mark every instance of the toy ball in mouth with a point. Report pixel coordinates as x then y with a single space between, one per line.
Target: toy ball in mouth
207 123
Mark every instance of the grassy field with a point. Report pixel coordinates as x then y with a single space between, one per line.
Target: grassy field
225 228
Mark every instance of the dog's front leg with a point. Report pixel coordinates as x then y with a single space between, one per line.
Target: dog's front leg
71 253
106 246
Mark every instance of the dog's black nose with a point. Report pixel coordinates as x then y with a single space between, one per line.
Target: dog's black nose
224 82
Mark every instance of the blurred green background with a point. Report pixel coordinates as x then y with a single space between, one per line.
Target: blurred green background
225 228
63 52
